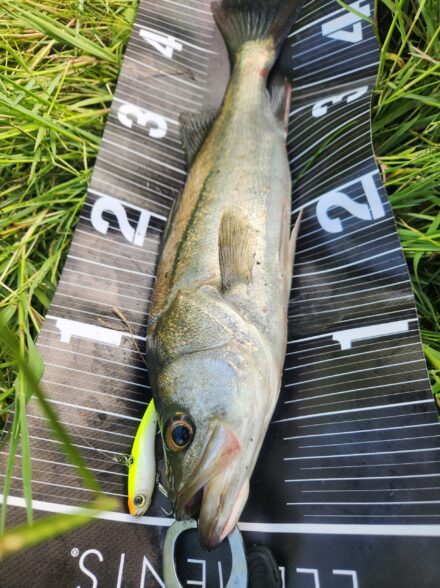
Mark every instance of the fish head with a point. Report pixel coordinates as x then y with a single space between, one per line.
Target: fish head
212 429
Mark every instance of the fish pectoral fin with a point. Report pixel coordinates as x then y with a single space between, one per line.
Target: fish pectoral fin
236 245
194 127
280 93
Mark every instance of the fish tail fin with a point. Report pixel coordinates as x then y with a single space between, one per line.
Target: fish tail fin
241 21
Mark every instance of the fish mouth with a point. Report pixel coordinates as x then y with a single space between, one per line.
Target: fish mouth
212 494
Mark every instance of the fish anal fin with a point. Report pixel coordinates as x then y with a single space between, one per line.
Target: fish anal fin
280 94
194 127
236 245
294 236
288 243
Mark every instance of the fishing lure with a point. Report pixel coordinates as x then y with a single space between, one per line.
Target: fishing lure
142 464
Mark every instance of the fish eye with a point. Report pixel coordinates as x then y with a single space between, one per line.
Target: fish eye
139 500
179 432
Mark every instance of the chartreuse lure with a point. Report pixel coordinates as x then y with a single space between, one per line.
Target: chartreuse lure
142 464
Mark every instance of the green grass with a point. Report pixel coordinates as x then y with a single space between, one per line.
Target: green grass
59 62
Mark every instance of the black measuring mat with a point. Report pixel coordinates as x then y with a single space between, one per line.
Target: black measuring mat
346 491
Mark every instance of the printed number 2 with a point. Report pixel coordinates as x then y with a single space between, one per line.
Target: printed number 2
110 204
128 112
165 44
336 198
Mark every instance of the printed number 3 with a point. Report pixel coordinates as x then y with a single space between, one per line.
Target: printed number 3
128 112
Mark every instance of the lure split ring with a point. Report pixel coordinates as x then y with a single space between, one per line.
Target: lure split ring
238 577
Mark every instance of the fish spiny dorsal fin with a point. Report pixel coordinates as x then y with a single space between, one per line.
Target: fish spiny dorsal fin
236 244
194 128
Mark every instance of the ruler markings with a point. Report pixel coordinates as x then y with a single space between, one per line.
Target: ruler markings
99 411
374 289
167 79
297 138
100 303
139 146
106 279
350 234
333 346
332 385
361 454
83 287
152 159
345 382
138 134
96 314
145 187
322 285
350 410
36 430
354 175
321 82
86 447
390 477
113 267
391 440
355 178
376 398
314 22
369 419
359 431
113 396
349 156
331 151
315 70
353 391
337 253
368 361
380 301
298 64
199 49
351 264
99 359
61 464
187 56
100 375
396 348
101 431
133 136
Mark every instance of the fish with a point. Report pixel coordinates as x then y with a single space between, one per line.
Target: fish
142 464
217 328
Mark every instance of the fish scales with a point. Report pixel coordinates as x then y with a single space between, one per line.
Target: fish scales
241 169
218 320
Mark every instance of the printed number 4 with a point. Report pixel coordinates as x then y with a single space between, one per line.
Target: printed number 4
337 27
165 44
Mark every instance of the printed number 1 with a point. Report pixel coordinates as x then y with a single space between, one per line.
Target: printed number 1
165 44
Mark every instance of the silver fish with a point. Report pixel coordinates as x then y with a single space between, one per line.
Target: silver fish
218 321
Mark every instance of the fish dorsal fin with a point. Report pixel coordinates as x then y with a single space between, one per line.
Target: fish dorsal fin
236 244
194 128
